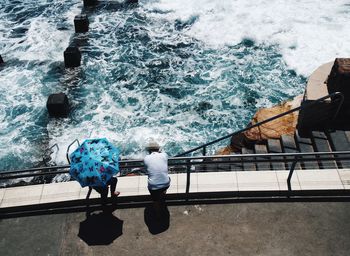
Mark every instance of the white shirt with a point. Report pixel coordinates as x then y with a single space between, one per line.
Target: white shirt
157 169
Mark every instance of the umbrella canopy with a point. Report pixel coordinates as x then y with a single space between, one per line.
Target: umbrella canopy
94 162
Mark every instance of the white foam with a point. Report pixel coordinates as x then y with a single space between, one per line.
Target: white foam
129 126
21 101
23 94
309 33
42 41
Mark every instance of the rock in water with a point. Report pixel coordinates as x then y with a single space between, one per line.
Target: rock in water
276 128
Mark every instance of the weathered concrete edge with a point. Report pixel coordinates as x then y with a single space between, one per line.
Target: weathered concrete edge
210 185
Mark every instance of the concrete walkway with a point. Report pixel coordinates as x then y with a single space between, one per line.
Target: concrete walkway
226 229
200 182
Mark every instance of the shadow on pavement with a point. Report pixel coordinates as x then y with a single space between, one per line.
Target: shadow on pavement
156 224
100 229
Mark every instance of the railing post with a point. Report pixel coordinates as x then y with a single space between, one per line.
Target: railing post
188 180
50 152
67 152
341 101
291 171
204 150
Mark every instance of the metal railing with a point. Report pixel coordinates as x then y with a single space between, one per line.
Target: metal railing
303 106
189 165
181 164
68 148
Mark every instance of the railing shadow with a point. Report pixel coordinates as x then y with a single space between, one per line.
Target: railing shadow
177 200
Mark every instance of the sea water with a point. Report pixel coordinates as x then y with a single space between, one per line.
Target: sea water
181 72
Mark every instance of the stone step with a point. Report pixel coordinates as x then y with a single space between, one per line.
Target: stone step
305 146
289 146
321 144
261 149
274 146
339 142
248 166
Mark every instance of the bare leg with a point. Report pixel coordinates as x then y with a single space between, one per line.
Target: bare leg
103 191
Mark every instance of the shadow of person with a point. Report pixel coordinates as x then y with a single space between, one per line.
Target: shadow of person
157 223
100 229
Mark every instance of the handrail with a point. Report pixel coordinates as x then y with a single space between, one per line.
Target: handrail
76 140
50 152
187 161
306 104
238 156
291 171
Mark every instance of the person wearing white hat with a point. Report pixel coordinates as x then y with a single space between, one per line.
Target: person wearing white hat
158 179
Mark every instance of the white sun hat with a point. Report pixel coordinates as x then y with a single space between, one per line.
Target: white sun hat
152 146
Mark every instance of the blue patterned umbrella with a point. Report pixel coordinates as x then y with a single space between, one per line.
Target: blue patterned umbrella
94 162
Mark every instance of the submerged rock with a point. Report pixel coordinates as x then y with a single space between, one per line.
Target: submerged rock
159 63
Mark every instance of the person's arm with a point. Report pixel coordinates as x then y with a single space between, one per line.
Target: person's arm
145 161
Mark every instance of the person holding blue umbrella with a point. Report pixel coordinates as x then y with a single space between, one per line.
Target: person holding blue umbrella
95 164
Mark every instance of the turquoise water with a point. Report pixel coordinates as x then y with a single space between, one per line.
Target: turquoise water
157 71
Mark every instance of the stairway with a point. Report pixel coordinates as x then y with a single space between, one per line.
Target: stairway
318 141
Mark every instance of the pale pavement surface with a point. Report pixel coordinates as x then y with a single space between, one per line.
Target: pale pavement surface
200 182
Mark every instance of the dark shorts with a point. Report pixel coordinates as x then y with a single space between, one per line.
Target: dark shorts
158 194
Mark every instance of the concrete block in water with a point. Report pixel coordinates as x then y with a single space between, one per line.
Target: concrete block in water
81 23
131 1
58 105
90 2
72 57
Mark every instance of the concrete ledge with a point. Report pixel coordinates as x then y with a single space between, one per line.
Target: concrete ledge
266 183
345 178
57 192
217 181
25 195
177 200
325 179
316 86
257 181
